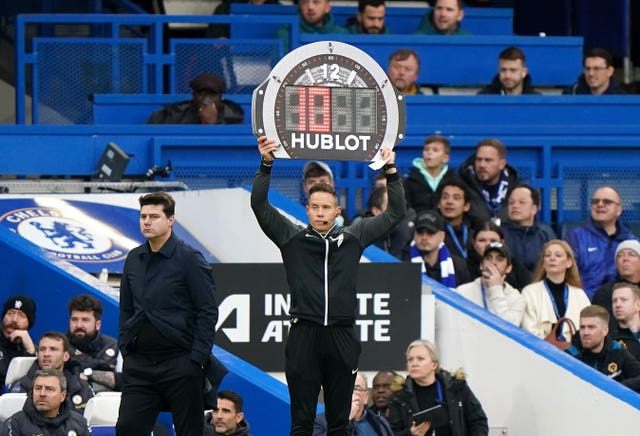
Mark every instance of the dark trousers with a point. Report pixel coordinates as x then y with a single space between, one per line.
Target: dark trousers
321 356
150 386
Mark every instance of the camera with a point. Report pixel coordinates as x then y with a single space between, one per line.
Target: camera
159 171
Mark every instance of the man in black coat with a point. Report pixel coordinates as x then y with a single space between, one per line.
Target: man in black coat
489 181
513 76
47 410
597 350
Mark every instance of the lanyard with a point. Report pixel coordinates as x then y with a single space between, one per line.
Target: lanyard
484 298
439 390
553 300
462 248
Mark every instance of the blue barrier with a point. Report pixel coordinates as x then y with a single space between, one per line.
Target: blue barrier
400 20
551 157
472 60
127 56
136 108
449 110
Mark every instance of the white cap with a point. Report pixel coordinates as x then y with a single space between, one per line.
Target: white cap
316 164
630 244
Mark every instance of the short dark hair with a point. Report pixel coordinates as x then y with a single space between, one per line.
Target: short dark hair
595 311
598 53
494 143
460 4
323 187
512 54
403 54
52 372
535 195
488 226
439 138
362 4
56 336
377 197
454 181
234 397
86 303
159 198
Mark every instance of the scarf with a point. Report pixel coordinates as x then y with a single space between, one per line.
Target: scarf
494 202
447 272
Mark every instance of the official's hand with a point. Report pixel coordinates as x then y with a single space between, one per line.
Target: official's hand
419 429
209 112
267 147
388 155
22 336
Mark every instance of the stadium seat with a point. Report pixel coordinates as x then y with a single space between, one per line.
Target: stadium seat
18 368
102 410
10 404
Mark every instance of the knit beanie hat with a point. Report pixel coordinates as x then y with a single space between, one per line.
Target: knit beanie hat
23 303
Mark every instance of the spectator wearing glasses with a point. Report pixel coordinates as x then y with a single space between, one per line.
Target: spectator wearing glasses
597 78
594 243
362 421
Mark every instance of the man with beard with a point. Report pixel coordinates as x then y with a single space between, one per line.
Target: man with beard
53 353
597 350
370 18
443 19
45 411
513 76
489 181
96 353
18 316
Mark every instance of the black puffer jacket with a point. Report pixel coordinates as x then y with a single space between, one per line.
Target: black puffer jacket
466 416
496 86
78 390
30 422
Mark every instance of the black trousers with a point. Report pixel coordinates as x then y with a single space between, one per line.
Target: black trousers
149 387
321 356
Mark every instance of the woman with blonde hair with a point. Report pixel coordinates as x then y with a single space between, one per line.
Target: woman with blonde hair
555 292
428 385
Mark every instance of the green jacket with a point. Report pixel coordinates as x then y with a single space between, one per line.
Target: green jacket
328 26
427 27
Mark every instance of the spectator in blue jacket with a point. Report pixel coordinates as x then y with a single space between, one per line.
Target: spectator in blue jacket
443 19
524 235
597 78
594 243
